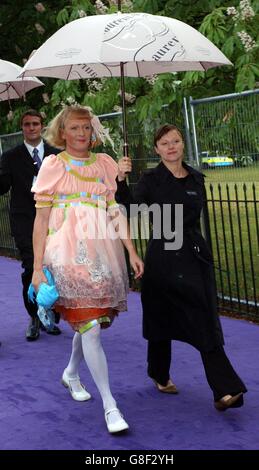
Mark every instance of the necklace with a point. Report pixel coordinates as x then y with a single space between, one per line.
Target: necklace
78 162
65 157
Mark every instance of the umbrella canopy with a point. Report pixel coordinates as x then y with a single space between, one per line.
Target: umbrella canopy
94 46
120 44
12 87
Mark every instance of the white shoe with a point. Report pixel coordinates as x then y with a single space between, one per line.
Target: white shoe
118 425
76 388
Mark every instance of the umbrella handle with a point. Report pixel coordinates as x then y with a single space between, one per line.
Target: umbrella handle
126 153
125 149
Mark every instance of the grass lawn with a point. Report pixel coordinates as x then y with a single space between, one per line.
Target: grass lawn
248 174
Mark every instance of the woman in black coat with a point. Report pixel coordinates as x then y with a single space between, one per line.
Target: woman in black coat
178 288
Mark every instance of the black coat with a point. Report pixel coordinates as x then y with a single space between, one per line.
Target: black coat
17 171
178 286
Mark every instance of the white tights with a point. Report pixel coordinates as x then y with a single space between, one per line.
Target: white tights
89 346
76 356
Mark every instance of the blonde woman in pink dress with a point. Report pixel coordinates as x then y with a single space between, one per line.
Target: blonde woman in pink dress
76 237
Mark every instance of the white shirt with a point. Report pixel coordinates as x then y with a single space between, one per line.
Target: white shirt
40 148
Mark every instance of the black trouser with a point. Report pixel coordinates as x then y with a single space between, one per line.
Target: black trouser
221 377
26 253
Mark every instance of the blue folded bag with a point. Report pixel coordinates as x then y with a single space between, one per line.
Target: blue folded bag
46 296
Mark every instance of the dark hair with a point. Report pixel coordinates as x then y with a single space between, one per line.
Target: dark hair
164 130
31 112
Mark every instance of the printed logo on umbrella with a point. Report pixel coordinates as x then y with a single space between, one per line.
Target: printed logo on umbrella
67 53
143 40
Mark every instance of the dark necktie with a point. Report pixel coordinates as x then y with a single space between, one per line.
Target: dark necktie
36 158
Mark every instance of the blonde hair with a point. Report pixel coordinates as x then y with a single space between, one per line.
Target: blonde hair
53 133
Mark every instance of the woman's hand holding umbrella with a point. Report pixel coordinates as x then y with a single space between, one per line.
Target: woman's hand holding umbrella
124 167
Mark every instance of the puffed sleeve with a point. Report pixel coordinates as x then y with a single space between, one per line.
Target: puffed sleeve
44 188
110 175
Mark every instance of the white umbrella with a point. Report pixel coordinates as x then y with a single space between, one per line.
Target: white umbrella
123 44
12 87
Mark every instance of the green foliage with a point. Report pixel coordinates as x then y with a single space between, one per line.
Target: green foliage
18 38
245 78
148 6
214 27
209 16
72 12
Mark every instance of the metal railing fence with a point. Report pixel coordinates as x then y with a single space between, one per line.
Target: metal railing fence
234 231
222 126
8 141
7 245
226 126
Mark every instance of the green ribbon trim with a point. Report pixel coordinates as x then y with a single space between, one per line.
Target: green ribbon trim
93 323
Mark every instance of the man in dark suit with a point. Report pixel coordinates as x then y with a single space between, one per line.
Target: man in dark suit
18 169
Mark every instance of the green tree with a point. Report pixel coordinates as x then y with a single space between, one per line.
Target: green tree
235 31
23 28
230 24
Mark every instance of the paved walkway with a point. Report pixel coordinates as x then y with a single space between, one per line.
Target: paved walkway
38 413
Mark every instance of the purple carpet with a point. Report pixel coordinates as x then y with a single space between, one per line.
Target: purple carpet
37 412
